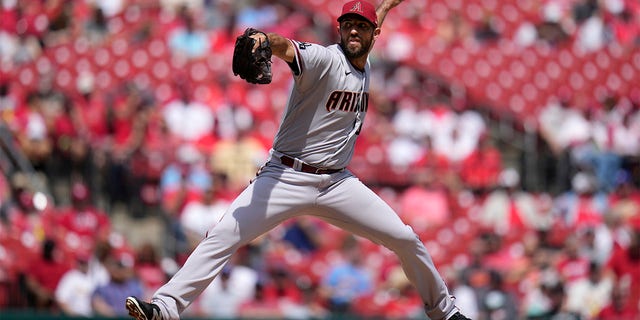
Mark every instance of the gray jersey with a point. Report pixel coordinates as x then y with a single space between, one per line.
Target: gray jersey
319 126
326 108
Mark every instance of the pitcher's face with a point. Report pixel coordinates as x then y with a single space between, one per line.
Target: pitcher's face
356 36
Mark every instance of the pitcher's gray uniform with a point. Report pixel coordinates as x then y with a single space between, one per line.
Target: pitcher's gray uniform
319 128
306 175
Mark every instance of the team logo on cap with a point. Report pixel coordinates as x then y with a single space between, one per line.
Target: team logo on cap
357 7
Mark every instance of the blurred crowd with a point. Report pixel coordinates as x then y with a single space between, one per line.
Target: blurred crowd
129 107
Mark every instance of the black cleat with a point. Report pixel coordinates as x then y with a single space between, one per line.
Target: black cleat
141 310
458 316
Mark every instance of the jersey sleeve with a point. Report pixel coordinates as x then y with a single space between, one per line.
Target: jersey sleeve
311 63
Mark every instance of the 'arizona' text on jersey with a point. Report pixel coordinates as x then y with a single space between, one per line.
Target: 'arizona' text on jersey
348 101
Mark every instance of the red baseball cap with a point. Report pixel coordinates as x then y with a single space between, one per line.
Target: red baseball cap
361 8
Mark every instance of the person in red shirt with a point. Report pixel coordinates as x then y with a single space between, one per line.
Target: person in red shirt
262 305
43 275
82 224
571 264
282 286
148 269
481 169
624 264
619 307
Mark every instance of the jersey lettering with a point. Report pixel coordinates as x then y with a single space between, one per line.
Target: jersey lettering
348 101
303 45
334 98
345 105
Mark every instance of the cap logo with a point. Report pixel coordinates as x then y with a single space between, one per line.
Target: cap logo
357 7
361 8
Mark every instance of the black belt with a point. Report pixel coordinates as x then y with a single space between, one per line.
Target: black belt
289 162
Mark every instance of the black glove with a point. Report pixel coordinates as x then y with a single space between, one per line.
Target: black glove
254 66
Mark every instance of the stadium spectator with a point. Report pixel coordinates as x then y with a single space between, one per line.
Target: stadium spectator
480 170
199 216
545 300
591 32
96 28
588 296
563 124
181 182
310 307
236 118
486 30
349 279
493 251
597 241
509 209
625 28
60 28
186 118
555 25
583 205
425 205
280 284
618 306
622 127
454 30
98 263
260 305
466 295
456 133
235 288
184 179
14 207
91 111
148 268
73 292
496 300
227 299
399 298
27 49
596 155
43 276
82 225
187 40
624 265
261 15
126 132
8 102
571 265
624 202
107 299
10 11
238 157
32 134
410 125
70 154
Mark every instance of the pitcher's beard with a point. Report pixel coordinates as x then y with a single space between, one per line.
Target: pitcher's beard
354 53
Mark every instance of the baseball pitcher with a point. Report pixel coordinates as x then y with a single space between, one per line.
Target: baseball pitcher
306 172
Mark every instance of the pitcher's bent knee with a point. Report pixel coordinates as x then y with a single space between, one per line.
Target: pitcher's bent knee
403 241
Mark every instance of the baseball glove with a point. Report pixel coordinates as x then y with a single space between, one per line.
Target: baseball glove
251 63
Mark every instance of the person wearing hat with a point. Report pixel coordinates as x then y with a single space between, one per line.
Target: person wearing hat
306 170
123 281
73 292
